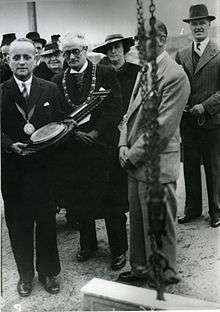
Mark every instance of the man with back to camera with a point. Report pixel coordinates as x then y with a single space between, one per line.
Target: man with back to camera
173 93
28 103
200 125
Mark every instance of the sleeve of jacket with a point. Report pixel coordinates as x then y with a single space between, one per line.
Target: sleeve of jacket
111 114
6 141
174 97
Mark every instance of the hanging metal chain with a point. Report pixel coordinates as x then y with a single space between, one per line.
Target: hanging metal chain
156 200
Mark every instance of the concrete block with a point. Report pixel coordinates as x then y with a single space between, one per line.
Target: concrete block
102 295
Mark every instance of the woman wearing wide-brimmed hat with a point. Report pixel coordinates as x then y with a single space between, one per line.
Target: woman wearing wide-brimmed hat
115 49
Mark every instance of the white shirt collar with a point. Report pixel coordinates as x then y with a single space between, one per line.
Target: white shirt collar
82 69
161 56
27 83
203 45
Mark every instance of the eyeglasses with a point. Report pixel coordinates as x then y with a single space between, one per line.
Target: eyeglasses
75 52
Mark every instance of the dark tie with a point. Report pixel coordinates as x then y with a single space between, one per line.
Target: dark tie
24 92
198 45
195 58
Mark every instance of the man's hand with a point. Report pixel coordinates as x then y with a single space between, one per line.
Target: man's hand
197 110
87 138
18 148
123 157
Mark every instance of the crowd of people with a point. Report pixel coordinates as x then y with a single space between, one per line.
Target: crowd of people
99 171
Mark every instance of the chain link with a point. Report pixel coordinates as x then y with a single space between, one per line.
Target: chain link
156 200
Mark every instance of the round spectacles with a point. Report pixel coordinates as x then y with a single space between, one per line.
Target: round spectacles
75 52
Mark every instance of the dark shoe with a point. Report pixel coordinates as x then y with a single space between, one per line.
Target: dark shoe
128 277
50 284
172 280
84 254
118 262
186 219
24 288
215 222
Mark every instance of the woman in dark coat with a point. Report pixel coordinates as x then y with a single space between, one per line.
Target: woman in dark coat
115 48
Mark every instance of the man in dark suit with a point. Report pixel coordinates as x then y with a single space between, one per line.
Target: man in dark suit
200 125
173 93
28 103
52 62
87 158
5 71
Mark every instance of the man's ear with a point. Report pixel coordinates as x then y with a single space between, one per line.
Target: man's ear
8 58
162 40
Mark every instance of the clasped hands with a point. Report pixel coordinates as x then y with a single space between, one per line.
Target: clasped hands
123 158
197 110
19 148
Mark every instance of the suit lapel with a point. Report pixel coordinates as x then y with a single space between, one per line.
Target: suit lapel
135 101
187 58
35 93
208 54
87 80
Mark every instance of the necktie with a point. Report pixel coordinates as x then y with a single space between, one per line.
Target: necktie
25 92
198 44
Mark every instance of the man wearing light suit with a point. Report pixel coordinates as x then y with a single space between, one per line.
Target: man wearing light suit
173 91
200 125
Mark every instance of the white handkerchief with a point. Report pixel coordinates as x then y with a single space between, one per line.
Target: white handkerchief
86 119
46 104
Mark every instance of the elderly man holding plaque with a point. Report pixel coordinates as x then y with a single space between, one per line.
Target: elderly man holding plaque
87 158
28 103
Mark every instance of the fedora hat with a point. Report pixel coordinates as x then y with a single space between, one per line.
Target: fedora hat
198 11
8 38
35 37
55 38
50 48
110 39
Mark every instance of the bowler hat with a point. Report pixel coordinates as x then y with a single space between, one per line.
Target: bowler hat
50 48
55 38
8 38
35 37
110 39
198 11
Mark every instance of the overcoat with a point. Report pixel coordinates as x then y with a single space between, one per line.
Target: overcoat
83 176
173 92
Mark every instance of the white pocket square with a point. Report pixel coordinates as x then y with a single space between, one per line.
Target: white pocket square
46 104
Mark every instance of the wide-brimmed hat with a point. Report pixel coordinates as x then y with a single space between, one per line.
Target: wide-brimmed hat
50 48
198 11
8 38
35 37
110 39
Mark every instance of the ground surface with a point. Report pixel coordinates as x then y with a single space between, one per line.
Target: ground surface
198 257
